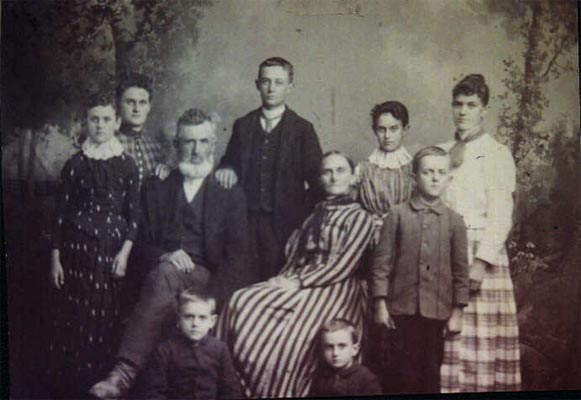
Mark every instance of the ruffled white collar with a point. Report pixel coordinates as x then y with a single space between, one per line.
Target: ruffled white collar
392 160
102 151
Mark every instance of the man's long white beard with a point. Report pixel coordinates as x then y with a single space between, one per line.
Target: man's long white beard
196 171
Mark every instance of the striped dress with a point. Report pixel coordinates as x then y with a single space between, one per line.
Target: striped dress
384 181
270 331
485 356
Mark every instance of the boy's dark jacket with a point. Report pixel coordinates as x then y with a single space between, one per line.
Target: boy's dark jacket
357 380
298 161
225 229
182 369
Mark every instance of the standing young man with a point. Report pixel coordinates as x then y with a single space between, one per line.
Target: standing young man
273 152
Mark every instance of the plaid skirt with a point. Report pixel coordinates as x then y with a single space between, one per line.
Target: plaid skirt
485 356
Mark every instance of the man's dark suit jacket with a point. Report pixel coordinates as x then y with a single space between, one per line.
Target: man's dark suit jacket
298 161
225 229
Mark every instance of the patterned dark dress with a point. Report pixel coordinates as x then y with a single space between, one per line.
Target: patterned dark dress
145 149
99 208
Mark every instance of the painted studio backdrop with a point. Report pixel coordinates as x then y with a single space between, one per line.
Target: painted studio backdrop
348 55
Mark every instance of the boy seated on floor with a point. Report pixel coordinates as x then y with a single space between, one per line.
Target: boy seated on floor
191 363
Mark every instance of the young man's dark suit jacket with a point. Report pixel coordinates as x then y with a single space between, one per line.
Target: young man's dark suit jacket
225 229
298 161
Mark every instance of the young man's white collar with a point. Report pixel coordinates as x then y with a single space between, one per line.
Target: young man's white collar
274 115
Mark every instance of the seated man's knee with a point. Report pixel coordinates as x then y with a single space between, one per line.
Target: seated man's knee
163 272
166 269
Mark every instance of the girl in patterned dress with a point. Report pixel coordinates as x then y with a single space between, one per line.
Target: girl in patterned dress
271 327
96 225
385 180
485 356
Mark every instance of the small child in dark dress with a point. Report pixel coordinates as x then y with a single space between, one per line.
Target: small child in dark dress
339 373
192 364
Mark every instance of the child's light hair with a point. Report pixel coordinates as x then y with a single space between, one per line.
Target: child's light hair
339 324
193 295
427 151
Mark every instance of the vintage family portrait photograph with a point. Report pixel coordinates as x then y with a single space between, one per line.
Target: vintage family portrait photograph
248 199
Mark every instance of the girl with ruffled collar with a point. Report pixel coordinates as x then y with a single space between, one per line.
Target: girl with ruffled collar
95 229
385 178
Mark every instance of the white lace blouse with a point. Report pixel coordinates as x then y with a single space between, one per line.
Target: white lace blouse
481 191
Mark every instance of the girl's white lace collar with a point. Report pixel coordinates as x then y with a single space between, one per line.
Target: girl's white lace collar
393 159
102 151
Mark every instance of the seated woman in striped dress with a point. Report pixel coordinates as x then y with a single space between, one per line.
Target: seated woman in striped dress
270 327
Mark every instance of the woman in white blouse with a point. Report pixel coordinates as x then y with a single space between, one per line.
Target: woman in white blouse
485 356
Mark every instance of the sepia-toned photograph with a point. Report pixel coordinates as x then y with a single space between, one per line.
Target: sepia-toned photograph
247 199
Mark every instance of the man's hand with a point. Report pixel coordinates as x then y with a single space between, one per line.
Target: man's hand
57 274
477 271
180 259
381 315
162 171
454 325
285 283
226 177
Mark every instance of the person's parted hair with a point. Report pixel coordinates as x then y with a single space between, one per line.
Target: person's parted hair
193 295
427 151
134 79
339 324
395 108
280 62
336 152
100 98
470 85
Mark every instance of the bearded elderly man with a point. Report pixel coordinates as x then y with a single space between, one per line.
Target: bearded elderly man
195 233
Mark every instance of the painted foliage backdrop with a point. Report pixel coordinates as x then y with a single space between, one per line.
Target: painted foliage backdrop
348 55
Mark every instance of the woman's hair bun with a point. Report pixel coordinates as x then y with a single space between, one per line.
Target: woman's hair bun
474 78
473 84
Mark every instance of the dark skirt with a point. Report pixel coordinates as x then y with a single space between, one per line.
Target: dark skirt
86 313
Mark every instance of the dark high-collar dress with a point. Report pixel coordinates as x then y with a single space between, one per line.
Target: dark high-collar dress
98 211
